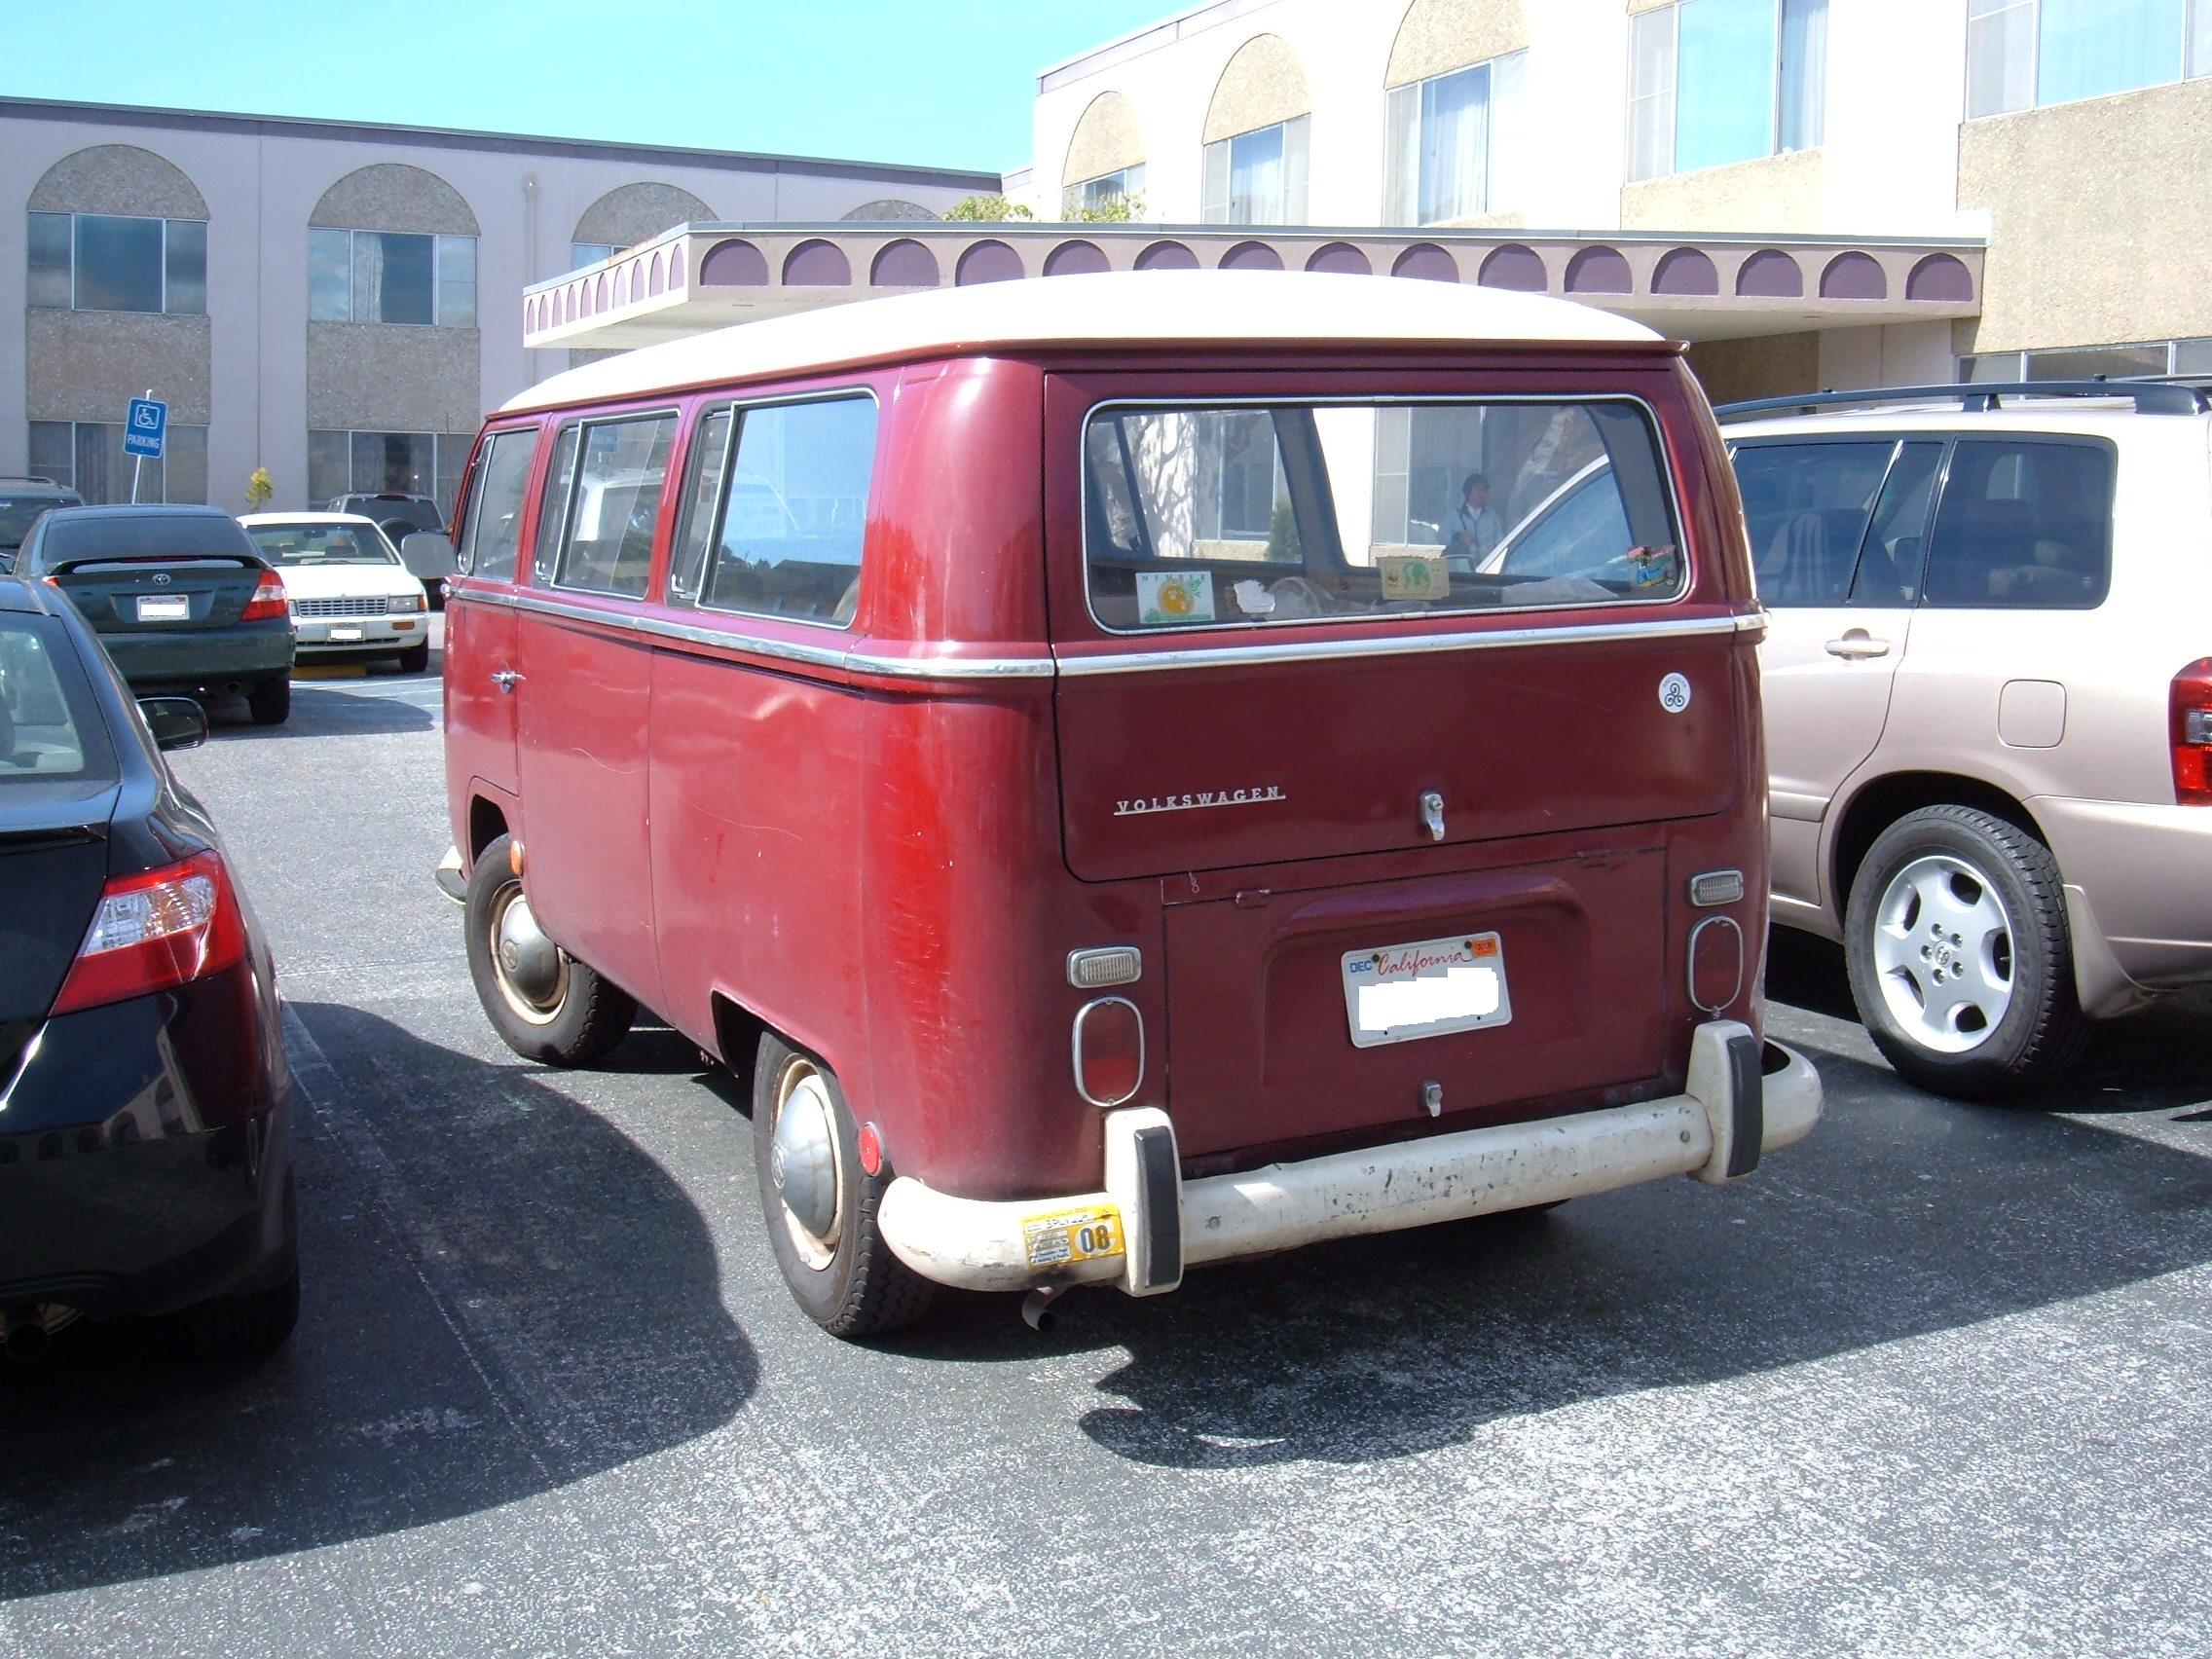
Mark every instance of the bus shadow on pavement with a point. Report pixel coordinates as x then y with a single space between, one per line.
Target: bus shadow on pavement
501 1295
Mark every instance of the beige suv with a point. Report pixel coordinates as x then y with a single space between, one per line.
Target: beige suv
1989 706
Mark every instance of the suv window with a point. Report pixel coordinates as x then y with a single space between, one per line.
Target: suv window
2023 524
790 507
1806 509
494 527
607 538
1260 515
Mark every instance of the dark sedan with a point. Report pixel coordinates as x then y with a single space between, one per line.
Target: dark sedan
180 597
145 1104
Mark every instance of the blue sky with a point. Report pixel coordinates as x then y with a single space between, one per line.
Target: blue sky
940 83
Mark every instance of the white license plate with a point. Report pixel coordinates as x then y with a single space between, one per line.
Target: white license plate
163 607
342 634
1399 993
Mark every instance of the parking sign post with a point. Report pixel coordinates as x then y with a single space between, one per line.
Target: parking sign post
145 429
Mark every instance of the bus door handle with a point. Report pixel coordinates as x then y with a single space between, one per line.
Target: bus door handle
506 679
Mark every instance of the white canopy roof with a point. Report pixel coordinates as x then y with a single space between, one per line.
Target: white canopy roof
1302 307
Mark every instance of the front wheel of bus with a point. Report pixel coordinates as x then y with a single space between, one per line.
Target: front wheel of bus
821 1204
545 1005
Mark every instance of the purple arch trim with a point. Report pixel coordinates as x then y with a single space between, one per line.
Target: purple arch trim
679 263
1426 261
1770 275
1939 277
1167 256
1684 271
567 304
1340 257
583 299
1854 276
1251 256
1599 271
904 264
817 264
732 264
1520 269
658 282
988 262
1074 259
600 292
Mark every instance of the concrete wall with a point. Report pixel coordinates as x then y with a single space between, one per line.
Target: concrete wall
2100 218
259 183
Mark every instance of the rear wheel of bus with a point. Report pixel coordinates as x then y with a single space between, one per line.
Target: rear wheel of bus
820 1205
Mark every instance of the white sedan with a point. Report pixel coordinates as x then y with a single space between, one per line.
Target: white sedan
350 594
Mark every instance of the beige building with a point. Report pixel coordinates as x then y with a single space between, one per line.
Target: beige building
1840 193
2070 137
337 303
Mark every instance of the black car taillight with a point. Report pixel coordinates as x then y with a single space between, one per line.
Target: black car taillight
153 931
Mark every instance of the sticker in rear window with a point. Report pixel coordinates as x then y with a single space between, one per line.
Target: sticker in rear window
1414 575
1167 597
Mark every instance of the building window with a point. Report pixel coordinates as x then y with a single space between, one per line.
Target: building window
1713 81
581 254
87 456
1097 195
2087 362
392 276
115 263
1453 141
2025 52
403 464
1258 177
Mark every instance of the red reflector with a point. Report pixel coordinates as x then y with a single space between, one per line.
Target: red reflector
2190 731
268 601
1716 963
154 931
870 1150
1109 1051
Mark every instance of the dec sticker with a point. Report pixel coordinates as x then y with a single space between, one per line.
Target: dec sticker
1174 596
1414 575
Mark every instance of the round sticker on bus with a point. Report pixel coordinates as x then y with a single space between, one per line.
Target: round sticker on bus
1675 693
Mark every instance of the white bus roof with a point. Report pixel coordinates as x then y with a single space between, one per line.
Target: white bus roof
1193 307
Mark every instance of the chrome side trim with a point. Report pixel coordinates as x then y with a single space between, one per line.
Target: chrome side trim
1410 645
892 666
838 657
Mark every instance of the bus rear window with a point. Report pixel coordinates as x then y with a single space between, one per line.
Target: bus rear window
1265 513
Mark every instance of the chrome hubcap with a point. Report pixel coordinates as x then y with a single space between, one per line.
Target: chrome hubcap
532 971
803 1158
1943 953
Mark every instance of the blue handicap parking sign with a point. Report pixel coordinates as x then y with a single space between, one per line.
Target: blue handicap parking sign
146 427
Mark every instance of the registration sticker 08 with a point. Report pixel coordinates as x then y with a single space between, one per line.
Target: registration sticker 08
1057 1238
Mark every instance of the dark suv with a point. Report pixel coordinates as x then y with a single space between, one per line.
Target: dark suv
21 501
179 596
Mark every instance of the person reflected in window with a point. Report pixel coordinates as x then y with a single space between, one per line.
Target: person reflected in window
1476 528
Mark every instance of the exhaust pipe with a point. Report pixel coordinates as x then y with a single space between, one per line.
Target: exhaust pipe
25 1338
1037 1307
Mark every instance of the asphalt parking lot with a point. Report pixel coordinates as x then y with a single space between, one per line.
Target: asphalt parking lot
1934 1382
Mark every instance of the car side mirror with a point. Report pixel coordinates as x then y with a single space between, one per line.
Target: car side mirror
428 555
176 722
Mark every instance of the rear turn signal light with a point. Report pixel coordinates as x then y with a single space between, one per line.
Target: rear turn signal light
268 601
2190 733
1716 963
1109 1051
154 931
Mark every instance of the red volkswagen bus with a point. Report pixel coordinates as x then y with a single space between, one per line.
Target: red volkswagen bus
1140 769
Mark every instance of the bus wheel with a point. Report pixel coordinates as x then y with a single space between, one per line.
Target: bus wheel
820 1205
545 1005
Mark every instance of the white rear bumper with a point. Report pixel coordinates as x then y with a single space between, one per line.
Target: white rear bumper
1147 1224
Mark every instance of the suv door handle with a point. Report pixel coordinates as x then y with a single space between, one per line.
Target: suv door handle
1858 642
506 679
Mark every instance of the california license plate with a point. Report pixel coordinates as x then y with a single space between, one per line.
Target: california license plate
163 607
344 634
1399 993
